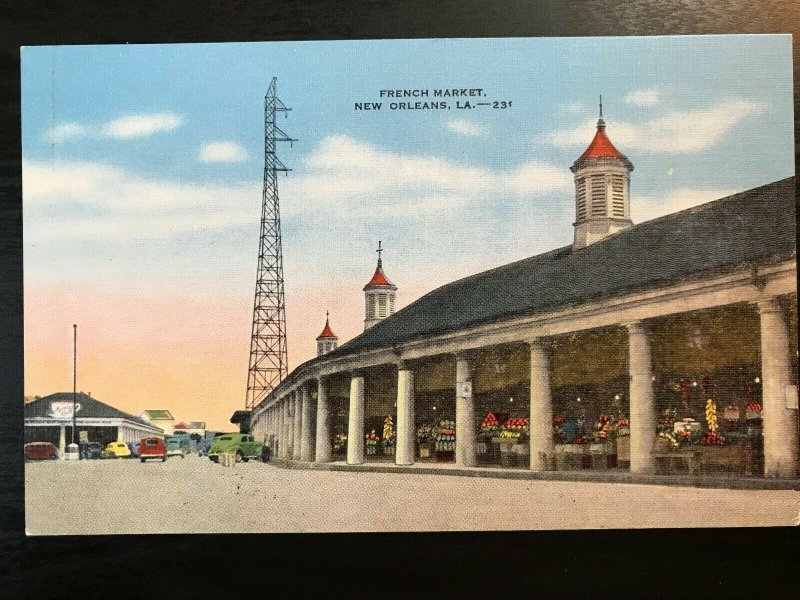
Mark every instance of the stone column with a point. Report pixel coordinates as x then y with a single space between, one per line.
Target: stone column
779 421
306 439
323 444
404 452
62 441
466 452
297 429
541 421
355 425
285 422
642 399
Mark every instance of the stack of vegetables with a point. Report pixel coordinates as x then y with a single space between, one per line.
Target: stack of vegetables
372 438
490 425
711 438
513 429
753 410
604 429
446 438
623 427
388 432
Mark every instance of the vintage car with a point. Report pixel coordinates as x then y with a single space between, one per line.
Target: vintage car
242 445
153 447
175 446
94 450
116 450
40 451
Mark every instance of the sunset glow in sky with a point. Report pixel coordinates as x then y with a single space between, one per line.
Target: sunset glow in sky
143 165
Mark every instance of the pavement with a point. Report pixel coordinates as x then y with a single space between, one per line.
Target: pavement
194 495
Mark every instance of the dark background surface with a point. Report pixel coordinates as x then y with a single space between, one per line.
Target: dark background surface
601 564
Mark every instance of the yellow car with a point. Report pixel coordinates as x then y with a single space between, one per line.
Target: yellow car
116 450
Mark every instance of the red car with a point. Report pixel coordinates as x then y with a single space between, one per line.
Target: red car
40 451
153 447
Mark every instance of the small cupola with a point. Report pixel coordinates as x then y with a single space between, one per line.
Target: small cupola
602 187
378 295
327 340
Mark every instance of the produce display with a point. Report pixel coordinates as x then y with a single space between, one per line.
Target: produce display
558 429
711 415
604 429
388 432
623 427
446 436
372 438
753 410
712 438
490 425
339 442
514 429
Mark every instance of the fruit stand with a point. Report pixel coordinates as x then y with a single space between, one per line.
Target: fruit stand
425 441
490 427
513 443
446 440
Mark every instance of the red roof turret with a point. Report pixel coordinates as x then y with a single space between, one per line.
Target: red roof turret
327 332
379 277
601 146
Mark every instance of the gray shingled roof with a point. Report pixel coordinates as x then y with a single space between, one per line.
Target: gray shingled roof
91 408
756 226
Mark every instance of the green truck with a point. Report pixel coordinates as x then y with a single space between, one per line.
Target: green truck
240 444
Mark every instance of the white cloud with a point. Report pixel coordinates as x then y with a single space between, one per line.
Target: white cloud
222 152
467 128
646 208
65 131
343 171
675 132
134 126
644 98
82 200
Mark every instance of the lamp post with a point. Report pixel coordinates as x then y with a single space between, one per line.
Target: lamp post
73 452
74 377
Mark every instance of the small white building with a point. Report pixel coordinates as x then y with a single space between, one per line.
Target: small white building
49 419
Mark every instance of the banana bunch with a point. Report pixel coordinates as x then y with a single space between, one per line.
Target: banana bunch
711 415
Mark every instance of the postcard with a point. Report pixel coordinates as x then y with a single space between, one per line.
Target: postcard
410 285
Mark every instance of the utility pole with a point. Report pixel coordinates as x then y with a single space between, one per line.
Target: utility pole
74 378
268 353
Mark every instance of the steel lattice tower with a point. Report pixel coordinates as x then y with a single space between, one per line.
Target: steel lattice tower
268 358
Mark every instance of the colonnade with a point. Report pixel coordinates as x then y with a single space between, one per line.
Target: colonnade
289 420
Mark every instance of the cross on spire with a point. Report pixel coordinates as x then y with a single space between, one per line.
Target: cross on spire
601 124
379 250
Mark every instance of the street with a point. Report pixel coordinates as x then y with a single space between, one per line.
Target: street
194 495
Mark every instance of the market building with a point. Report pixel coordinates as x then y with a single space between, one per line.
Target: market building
49 419
667 346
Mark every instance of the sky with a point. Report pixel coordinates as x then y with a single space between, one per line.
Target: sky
143 168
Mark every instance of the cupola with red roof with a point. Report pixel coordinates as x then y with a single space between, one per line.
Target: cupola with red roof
378 295
327 340
602 184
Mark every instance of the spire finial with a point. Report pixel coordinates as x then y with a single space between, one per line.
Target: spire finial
601 124
379 250
326 317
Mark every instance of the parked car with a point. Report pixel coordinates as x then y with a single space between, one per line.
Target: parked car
175 447
94 450
153 447
40 451
241 444
116 450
